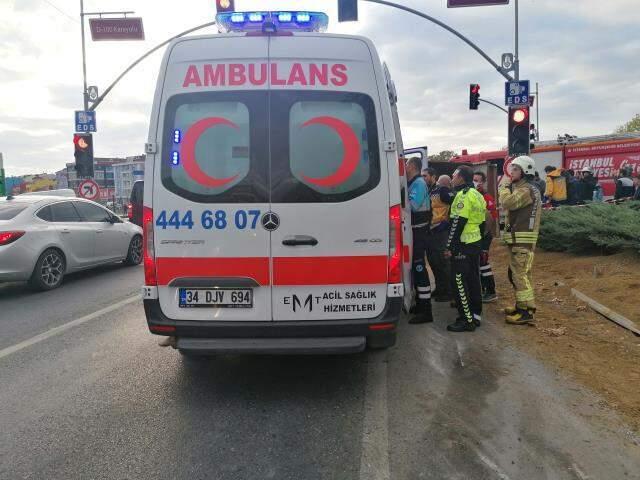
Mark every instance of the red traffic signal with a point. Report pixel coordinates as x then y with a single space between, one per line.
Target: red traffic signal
519 115
83 154
225 6
519 131
474 96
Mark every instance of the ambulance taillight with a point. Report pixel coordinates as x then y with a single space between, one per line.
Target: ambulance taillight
149 255
395 245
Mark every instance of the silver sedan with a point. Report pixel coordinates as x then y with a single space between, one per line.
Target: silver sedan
42 238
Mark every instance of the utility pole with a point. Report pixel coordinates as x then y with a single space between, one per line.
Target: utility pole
537 113
85 98
516 72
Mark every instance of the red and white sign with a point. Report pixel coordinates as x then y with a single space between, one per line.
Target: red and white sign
107 194
237 74
605 160
88 189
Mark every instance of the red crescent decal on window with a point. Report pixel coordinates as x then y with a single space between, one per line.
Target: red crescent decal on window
351 152
188 151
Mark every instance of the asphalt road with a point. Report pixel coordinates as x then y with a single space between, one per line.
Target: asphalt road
99 399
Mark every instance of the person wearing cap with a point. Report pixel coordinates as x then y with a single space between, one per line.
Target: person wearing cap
464 245
420 217
588 184
523 204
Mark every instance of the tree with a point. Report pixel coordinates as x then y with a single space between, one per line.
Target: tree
443 156
631 126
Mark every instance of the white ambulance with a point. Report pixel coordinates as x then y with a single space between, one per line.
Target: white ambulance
275 212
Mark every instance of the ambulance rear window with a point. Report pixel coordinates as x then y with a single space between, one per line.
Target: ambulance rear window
328 148
213 150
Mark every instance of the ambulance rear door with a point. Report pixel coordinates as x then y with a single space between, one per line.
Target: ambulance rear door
211 181
329 180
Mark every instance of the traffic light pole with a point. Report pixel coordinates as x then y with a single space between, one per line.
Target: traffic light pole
85 98
128 69
516 60
85 94
494 104
451 30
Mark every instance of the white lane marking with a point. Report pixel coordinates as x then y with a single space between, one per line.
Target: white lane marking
487 461
5 352
374 462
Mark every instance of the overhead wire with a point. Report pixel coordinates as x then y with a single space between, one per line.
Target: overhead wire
62 12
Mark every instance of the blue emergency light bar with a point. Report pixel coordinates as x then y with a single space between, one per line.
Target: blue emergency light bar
272 21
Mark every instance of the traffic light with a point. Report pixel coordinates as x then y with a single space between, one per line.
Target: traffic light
83 144
347 10
225 6
474 96
518 131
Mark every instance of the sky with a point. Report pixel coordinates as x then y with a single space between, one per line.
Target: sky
585 55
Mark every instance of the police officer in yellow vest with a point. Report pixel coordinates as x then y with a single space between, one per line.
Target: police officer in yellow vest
468 213
520 198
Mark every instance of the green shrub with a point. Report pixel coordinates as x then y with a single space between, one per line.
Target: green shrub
597 227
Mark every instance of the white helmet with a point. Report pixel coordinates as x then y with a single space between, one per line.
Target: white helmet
527 164
587 169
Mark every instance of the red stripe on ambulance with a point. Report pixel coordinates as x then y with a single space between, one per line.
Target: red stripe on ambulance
365 270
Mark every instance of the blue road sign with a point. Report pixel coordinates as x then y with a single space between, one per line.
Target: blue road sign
516 93
85 121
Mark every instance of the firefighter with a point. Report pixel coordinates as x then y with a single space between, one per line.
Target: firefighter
520 198
420 217
464 246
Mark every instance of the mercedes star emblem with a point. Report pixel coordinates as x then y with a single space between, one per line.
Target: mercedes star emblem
270 221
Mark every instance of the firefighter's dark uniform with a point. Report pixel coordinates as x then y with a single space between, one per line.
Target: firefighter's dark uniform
419 200
468 213
523 203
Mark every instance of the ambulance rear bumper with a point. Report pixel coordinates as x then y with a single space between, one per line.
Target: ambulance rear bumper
296 337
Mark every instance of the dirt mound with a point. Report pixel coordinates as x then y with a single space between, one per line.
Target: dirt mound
572 337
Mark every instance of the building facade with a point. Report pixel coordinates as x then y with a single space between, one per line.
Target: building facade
125 174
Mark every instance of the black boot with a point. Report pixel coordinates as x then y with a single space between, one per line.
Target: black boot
476 321
425 316
461 325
